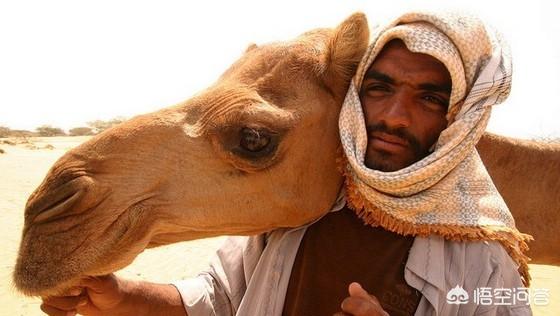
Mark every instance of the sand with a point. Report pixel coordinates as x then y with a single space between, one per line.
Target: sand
22 168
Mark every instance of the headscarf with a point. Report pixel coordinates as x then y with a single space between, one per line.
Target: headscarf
449 192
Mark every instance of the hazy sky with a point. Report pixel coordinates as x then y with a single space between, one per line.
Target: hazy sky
68 62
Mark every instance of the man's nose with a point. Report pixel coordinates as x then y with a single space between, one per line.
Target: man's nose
397 112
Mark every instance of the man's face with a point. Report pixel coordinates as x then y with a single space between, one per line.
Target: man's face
404 97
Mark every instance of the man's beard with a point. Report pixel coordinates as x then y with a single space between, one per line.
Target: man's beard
382 160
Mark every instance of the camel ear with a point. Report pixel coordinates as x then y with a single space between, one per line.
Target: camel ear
251 47
345 49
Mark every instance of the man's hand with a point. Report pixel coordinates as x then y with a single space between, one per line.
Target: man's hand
360 303
110 295
93 296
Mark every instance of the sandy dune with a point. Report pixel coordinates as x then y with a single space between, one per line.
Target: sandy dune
23 166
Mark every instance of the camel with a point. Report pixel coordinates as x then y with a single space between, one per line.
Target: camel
526 175
255 151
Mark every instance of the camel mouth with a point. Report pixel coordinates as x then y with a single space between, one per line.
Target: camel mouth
57 218
56 251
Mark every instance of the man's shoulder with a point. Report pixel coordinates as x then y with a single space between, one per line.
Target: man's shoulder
476 250
486 261
479 255
476 263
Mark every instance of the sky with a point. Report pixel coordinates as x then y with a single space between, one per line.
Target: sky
65 63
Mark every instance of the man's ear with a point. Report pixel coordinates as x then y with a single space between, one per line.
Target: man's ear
345 49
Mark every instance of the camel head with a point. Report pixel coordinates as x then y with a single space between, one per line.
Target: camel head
234 159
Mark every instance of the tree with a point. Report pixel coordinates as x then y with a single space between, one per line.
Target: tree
81 131
47 131
5 131
99 126
8 132
22 133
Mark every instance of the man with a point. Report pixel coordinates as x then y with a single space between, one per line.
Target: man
426 86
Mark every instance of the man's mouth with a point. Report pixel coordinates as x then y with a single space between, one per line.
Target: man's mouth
387 142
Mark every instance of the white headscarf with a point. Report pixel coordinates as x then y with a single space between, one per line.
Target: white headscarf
449 192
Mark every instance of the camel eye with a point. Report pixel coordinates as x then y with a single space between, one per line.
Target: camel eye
256 143
253 140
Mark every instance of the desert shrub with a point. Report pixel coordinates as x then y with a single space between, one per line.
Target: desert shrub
48 131
81 131
31 146
8 142
99 126
22 133
2 151
8 132
5 131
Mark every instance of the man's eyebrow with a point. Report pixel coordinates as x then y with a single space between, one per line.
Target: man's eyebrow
372 74
376 75
443 88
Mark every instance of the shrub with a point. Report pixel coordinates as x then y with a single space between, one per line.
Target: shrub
22 133
48 131
99 126
5 131
80 131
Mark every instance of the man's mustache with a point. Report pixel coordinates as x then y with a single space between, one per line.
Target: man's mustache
400 132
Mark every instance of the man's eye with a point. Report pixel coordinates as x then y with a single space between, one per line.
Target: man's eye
431 98
376 89
436 101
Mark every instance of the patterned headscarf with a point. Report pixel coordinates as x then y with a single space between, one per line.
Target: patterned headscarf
449 192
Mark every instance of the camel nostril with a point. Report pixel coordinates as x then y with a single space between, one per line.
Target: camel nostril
50 203
58 207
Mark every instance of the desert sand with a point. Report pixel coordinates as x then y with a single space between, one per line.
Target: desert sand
24 164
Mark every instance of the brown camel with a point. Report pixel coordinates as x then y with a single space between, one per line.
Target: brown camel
527 175
254 152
